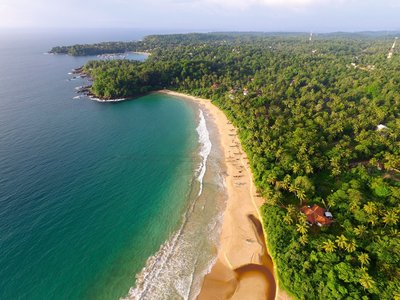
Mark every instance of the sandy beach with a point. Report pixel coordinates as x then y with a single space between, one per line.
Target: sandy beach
243 269
142 53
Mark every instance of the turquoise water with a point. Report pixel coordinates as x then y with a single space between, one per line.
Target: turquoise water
88 191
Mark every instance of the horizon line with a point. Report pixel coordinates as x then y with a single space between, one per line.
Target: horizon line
200 30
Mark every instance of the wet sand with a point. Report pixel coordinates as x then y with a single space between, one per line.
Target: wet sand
243 269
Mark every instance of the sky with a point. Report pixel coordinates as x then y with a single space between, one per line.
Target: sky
204 15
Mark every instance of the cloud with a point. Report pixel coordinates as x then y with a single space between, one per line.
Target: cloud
269 3
263 15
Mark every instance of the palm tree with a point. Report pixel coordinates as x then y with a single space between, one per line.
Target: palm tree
373 219
360 230
280 185
370 207
304 239
366 281
309 169
394 232
302 228
341 241
296 168
286 182
292 189
290 209
271 178
288 219
301 195
331 202
351 246
327 207
329 246
302 219
354 205
390 218
364 259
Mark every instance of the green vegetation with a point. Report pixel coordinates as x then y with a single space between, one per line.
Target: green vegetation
95 49
307 113
150 43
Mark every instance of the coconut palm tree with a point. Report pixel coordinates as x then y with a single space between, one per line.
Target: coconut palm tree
302 228
304 239
354 205
366 281
373 219
291 209
341 241
360 230
390 218
288 219
370 208
329 246
296 168
286 182
302 219
327 206
351 246
301 195
364 259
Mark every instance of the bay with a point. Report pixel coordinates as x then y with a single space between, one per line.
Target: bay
88 191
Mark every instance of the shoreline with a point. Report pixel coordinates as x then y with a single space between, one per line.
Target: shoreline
177 269
140 52
243 268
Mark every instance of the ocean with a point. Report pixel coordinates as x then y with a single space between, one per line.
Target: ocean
100 200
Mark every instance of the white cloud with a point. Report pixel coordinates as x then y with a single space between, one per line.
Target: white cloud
216 14
270 3
275 3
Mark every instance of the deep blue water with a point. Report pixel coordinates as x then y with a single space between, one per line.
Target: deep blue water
88 191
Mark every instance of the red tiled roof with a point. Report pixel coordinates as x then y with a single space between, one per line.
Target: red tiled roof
318 210
315 214
309 213
323 220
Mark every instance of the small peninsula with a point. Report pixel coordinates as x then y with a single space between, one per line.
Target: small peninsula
319 122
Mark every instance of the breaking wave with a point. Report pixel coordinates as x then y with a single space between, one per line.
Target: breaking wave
204 140
177 269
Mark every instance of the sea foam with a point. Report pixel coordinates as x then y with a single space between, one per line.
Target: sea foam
174 272
204 140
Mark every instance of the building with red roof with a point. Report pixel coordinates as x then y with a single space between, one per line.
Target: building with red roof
317 215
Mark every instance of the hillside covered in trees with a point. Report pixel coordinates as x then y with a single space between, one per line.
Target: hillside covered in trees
308 115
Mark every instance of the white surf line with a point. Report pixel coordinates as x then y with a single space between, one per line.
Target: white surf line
147 284
204 140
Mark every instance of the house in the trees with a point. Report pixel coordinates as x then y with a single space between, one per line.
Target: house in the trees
317 215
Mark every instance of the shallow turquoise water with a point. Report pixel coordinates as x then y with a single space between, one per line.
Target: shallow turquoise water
88 191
